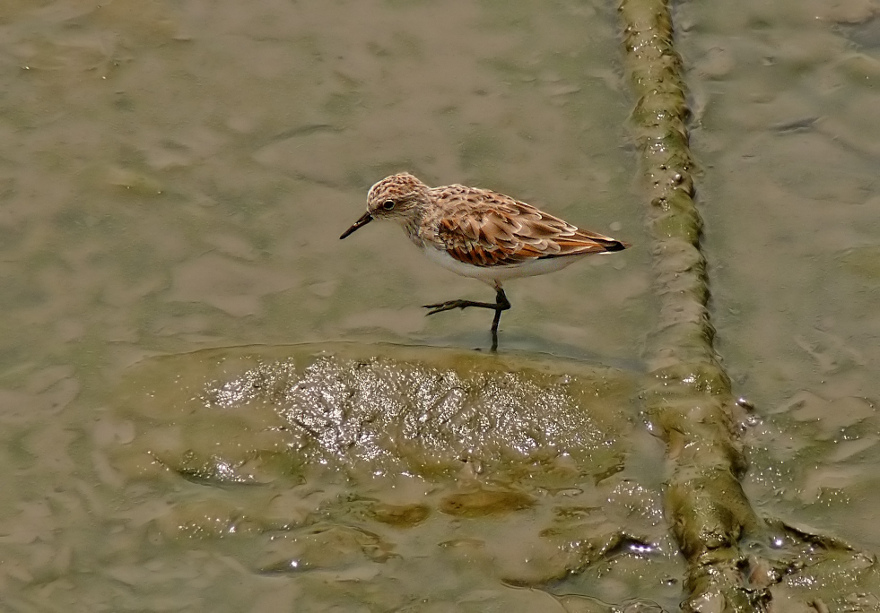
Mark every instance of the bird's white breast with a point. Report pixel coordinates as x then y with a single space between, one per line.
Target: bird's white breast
497 274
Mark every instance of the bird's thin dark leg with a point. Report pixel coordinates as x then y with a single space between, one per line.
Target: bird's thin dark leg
501 304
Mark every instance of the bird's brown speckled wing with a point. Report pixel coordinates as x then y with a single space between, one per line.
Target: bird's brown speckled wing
485 228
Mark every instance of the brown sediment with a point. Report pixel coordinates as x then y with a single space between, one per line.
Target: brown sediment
688 395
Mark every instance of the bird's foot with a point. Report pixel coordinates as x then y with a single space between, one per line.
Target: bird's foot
458 304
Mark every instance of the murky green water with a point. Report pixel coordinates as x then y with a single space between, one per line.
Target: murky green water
787 102
175 176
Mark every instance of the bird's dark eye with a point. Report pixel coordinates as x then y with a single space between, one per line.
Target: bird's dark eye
388 205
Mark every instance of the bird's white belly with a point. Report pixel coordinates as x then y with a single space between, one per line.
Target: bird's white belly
497 274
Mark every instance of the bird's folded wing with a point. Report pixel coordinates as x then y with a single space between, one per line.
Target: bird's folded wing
515 233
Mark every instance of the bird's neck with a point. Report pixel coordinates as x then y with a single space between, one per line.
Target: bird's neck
412 225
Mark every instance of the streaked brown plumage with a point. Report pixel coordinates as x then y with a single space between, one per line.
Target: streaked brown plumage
481 234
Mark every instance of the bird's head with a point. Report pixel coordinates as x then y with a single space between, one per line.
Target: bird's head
401 197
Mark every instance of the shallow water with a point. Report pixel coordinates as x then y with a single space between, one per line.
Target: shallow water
787 132
176 176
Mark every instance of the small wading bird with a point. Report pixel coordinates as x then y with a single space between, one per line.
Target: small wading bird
480 234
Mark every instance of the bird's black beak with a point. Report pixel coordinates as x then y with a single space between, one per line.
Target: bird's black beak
367 218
